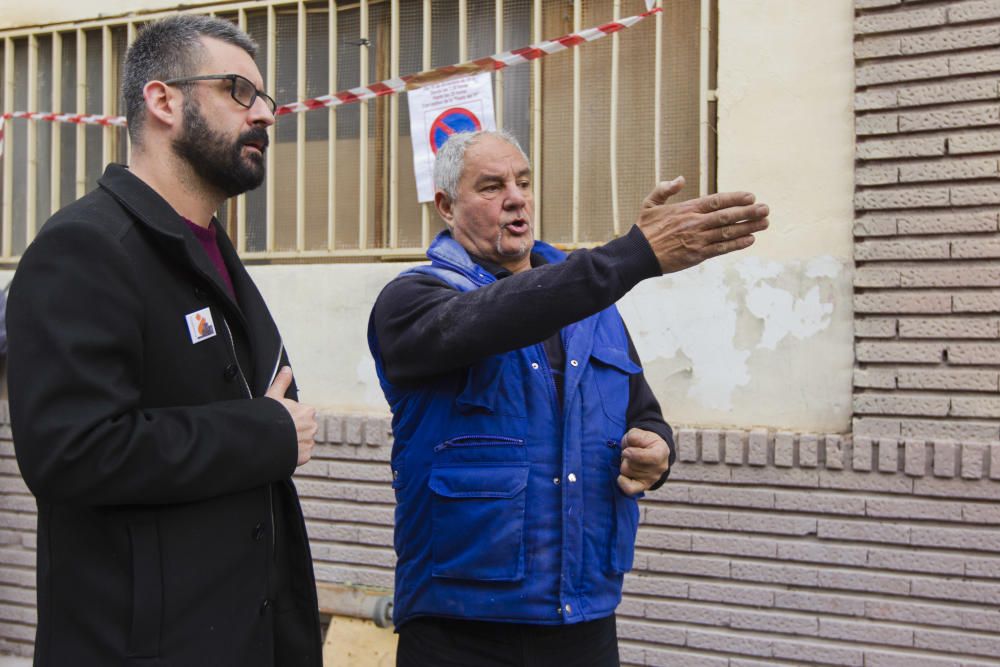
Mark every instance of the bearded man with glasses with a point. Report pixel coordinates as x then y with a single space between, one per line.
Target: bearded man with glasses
154 410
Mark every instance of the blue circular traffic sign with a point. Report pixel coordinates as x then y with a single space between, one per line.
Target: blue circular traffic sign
450 122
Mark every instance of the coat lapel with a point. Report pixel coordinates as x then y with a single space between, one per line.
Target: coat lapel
265 340
248 311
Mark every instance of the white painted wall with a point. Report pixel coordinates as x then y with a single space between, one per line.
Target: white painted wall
15 14
762 339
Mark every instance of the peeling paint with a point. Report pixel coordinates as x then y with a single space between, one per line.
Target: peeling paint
784 313
721 324
690 313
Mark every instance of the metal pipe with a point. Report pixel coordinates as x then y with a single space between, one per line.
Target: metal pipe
272 68
425 207
300 134
394 128
55 154
703 63
577 66
536 118
355 603
8 155
613 131
107 96
241 200
31 164
499 74
331 146
363 133
81 107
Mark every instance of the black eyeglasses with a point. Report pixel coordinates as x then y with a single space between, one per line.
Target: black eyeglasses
241 89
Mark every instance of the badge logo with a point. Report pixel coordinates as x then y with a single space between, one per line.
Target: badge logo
200 325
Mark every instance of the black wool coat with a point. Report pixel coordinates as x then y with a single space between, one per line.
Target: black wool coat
169 531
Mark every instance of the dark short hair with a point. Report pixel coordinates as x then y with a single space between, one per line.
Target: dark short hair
168 49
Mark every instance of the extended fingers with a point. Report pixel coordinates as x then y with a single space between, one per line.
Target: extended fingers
722 200
736 214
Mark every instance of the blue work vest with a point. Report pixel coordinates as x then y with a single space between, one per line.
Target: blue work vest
507 504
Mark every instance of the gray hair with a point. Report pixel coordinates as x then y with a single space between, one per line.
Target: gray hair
169 49
450 161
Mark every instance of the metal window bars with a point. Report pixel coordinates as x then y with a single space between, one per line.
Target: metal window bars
626 111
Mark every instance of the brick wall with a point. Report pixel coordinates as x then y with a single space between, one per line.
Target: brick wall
927 197
766 548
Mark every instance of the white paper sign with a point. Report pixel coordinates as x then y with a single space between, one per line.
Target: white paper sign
437 111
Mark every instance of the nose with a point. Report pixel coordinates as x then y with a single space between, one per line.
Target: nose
260 114
514 199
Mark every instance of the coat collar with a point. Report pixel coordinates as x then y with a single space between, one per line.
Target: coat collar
155 214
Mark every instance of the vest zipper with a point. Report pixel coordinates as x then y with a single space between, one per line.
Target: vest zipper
270 498
479 441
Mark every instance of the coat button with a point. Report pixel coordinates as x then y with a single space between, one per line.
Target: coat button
230 373
199 292
265 607
258 532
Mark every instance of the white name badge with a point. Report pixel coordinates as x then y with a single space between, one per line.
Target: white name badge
200 325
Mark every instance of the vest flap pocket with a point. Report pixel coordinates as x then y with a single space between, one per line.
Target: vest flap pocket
612 374
493 480
615 357
478 521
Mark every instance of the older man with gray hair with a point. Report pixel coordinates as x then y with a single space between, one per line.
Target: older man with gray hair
525 431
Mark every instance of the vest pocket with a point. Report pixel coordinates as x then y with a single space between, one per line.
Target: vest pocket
478 520
626 525
612 370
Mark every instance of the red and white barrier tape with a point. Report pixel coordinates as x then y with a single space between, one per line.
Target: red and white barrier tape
388 86
78 119
494 62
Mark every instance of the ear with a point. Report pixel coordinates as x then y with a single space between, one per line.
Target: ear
163 103
443 204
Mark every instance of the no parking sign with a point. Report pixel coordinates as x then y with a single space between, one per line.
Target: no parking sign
440 110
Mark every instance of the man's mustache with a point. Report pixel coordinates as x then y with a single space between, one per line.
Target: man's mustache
257 136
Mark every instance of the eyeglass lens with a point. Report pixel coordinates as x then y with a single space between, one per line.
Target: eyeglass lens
245 93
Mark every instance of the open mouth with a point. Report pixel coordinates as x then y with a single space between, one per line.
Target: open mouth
519 226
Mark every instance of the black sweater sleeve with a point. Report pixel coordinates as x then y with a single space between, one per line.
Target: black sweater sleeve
644 412
426 328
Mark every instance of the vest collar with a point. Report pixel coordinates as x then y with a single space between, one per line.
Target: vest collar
445 250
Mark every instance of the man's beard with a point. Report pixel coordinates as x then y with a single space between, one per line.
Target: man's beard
212 156
520 252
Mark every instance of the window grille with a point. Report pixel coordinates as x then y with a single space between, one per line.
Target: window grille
602 122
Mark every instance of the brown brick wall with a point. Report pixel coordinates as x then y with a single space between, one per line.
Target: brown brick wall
927 286
766 548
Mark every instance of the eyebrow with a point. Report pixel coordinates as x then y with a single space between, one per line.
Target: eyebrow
486 178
